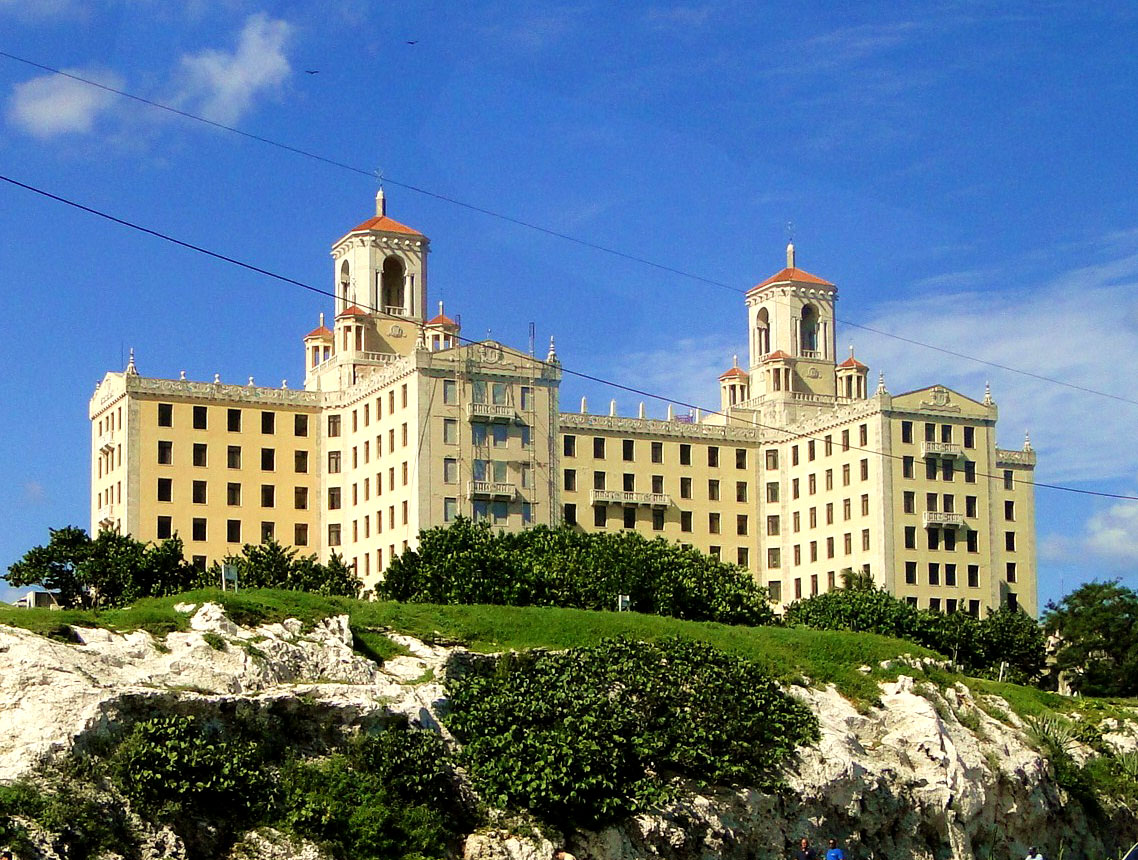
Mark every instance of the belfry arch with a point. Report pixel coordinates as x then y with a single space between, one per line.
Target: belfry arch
393 280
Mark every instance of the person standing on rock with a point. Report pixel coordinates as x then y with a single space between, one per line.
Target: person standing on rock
834 852
805 852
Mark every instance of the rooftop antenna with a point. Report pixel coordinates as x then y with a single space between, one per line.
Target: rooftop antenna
790 244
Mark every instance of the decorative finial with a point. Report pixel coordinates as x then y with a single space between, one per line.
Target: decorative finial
671 412
584 406
284 383
130 368
322 319
1026 440
440 307
881 383
735 360
551 356
380 203
182 375
612 407
217 379
987 394
790 255
250 381
640 413
851 351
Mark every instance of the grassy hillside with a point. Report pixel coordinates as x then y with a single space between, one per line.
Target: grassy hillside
820 656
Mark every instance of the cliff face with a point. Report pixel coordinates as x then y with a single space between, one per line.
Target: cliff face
927 774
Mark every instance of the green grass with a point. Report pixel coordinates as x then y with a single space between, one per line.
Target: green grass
791 654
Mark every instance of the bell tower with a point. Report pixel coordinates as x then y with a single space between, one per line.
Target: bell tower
380 267
790 319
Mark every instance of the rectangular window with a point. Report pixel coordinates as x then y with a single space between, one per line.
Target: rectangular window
233 494
950 575
829 445
268 459
600 515
865 540
450 392
973 576
910 537
598 448
1010 541
658 484
713 523
233 531
774 560
268 496
713 456
865 504
165 414
829 547
949 540
863 434
333 426
300 424
796 519
628 449
813 550
847 512
973 539
1008 480
934 573
164 527
630 518
969 506
847 543
1009 510
598 480
794 488
907 467
798 554
740 491
685 521
571 480
569 515
629 482
657 452
334 460
334 498
199 492
829 513
713 489
865 470
685 454
300 534
772 524
794 455
300 462
811 483
499 433
947 470
197 529
1010 571
772 491
810 450
685 488
657 519
742 556
772 458
930 432
740 458
333 534
909 502
233 420
268 423
933 536
450 431
930 468
200 417
741 524
813 518
199 453
165 489
906 431
569 446
845 440
969 437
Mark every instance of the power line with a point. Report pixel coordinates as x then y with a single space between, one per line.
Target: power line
782 432
529 225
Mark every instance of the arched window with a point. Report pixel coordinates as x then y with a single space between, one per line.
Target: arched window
345 282
762 333
809 329
392 286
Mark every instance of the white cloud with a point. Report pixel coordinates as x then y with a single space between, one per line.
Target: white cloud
52 105
223 86
687 371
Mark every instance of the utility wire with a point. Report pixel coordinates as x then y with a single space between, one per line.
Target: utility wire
784 434
529 225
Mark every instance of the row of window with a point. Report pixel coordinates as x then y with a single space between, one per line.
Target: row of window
628 484
934 570
199 531
945 539
628 450
112 422
847 547
233 419
108 460
335 497
494 393
775 586
335 421
946 433
828 444
199 494
233 457
812 514
946 503
827 480
335 534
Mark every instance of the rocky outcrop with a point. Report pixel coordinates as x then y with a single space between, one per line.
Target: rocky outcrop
928 773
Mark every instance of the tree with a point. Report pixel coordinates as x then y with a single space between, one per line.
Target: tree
270 565
1097 627
111 570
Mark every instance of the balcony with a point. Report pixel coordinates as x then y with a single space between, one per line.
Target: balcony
623 497
106 441
489 412
942 519
941 449
106 515
394 311
810 353
490 490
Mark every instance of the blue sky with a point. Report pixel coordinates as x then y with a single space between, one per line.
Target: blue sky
963 171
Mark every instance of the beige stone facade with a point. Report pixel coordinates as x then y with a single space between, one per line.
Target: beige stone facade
804 473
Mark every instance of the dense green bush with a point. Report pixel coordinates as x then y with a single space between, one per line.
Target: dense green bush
1097 630
588 735
979 645
392 795
270 565
469 562
83 824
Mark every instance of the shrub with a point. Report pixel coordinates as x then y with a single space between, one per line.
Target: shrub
270 565
467 563
592 734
